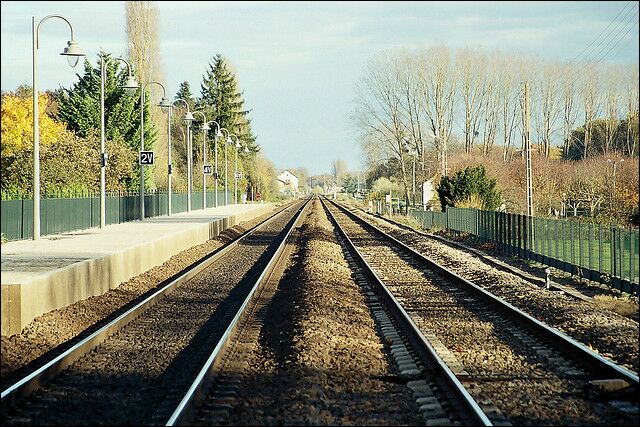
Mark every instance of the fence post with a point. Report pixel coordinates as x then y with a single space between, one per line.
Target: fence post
632 258
612 251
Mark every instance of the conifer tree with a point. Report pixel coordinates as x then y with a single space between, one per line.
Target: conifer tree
184 92
79 107
223 101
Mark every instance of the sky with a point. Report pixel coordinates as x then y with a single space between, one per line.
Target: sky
298 62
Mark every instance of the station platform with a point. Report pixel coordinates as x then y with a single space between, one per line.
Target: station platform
58 270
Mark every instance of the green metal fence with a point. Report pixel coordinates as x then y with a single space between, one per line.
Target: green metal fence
603 253
81 211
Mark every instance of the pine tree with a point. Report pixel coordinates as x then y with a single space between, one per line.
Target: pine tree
79 108
223 102
184 92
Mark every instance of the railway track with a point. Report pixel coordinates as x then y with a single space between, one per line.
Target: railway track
519 370
585 321
437 396
137 368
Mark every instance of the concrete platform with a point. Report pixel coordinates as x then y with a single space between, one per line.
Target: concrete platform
58 270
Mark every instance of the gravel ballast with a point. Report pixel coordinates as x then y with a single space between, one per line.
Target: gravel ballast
56 327
612 335
319 359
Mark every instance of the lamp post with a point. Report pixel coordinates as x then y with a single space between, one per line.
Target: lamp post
187 119
73 54
215 150
163 103
226 167
129 86
205 128
235 175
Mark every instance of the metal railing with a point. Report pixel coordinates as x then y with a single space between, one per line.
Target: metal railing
603 253
78 211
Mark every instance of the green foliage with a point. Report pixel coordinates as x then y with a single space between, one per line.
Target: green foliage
184 92
597 145
466 185
71 163
223 101
79 107
350 184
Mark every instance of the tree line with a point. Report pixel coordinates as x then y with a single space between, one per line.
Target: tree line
431 105
70 125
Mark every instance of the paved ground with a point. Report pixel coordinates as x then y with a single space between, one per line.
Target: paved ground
58 270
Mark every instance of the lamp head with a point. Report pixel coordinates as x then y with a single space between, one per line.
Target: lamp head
165 104
130 85
237 144
188 118
229 140
219 134
205 126
72 52
246 148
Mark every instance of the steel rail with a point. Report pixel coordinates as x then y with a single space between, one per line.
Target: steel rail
185 409
473 411
31 382
577 349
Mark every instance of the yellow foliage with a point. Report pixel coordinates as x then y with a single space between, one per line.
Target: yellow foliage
17 124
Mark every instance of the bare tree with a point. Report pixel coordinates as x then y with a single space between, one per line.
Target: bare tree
472 87
491 106
548 104
632 92
378 112
590 104
413 116
142 19
569 112
612 100
438 88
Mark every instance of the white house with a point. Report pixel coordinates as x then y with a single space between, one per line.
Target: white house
288 183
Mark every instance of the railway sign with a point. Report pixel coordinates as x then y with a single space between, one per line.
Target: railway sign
238 175
146 157
207 169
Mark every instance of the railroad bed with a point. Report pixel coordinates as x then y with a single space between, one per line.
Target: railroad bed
505 363
582 320
316 317
139 374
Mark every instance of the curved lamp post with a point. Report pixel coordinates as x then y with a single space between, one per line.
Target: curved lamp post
235 175
164 103
215 150
205 128
187 119
73 54
130 86
226 167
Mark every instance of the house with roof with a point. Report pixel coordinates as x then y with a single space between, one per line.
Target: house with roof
288 183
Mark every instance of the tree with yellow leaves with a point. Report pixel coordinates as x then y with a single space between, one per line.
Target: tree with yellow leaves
17 125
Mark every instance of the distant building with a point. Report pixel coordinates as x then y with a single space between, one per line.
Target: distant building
288 183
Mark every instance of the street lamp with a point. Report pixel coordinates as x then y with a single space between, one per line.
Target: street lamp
73 54
235 175
215 150
163 103
187 121
130 86
226 167
205 128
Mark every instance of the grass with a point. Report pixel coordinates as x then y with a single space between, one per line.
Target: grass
624 306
